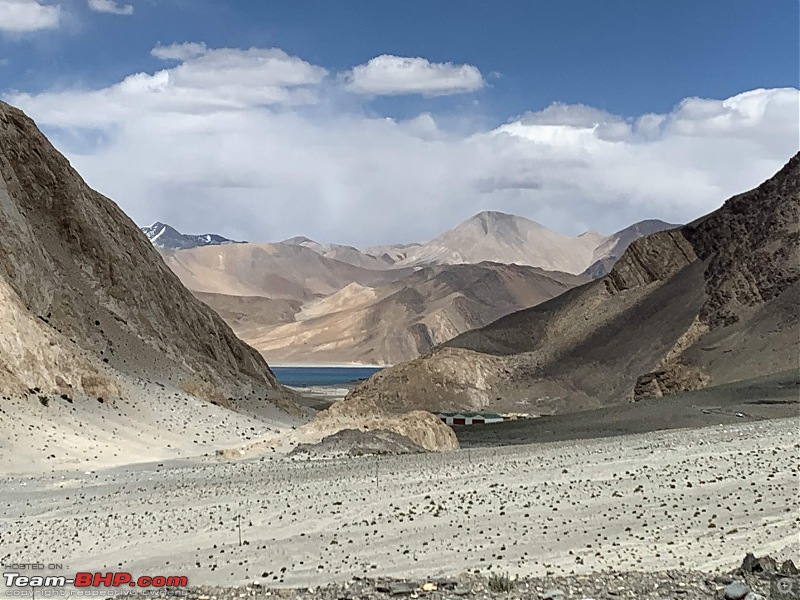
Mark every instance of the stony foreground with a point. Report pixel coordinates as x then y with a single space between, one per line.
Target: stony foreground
685 585
678 500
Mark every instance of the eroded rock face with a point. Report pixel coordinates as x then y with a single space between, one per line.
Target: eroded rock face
670 380
85 297
649 260
752 245
669 317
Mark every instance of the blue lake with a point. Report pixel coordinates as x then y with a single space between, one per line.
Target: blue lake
324 376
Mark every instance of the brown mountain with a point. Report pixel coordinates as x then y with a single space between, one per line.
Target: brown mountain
303 302
86 301
282 270
709 303
509 239
389 323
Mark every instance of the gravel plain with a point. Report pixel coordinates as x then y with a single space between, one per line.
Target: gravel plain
689 500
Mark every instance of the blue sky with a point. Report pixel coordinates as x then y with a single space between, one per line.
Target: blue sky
606 60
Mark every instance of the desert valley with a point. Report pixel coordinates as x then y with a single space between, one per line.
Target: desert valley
94 381
552 416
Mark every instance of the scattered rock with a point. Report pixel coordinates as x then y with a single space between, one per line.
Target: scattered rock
756 566
736 591
788 568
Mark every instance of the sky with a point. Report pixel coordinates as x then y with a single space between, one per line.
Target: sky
364 122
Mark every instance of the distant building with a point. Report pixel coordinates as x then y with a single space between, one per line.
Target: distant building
469 418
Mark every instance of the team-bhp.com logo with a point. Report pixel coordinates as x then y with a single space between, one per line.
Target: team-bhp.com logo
96 580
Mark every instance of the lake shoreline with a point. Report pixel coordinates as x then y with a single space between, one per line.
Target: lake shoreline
329 366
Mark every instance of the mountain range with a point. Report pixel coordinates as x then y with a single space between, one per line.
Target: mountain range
299 301
489 236
709 303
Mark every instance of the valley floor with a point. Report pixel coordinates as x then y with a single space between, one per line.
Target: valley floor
682 499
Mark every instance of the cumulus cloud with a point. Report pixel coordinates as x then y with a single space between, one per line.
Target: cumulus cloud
23 16
110 7
256 144
216 81
389 75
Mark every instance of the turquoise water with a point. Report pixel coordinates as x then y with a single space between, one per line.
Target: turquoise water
324 376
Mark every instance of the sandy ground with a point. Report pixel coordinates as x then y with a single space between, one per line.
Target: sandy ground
151 422
685 498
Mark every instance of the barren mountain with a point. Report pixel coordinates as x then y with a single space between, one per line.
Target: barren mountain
390 323
304 302
499 237
709 303
492 236
103 353
347 254
164 236
611 248
288 271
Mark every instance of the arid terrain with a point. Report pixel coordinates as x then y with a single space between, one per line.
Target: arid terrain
140 434
685 499
105 358
303 302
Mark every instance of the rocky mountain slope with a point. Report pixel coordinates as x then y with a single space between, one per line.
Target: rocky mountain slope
610 249
164 236
82 285
712 302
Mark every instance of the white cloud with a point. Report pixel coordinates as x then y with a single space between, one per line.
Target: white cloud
110 7
214 82
23 16
180 52
255 144
388 75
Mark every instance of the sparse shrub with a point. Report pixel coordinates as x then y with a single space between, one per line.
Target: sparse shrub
500 583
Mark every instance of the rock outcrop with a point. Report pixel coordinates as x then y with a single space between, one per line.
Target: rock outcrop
613 247
354 442
422 428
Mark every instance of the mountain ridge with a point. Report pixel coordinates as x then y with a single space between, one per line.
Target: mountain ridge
488 236
267 290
